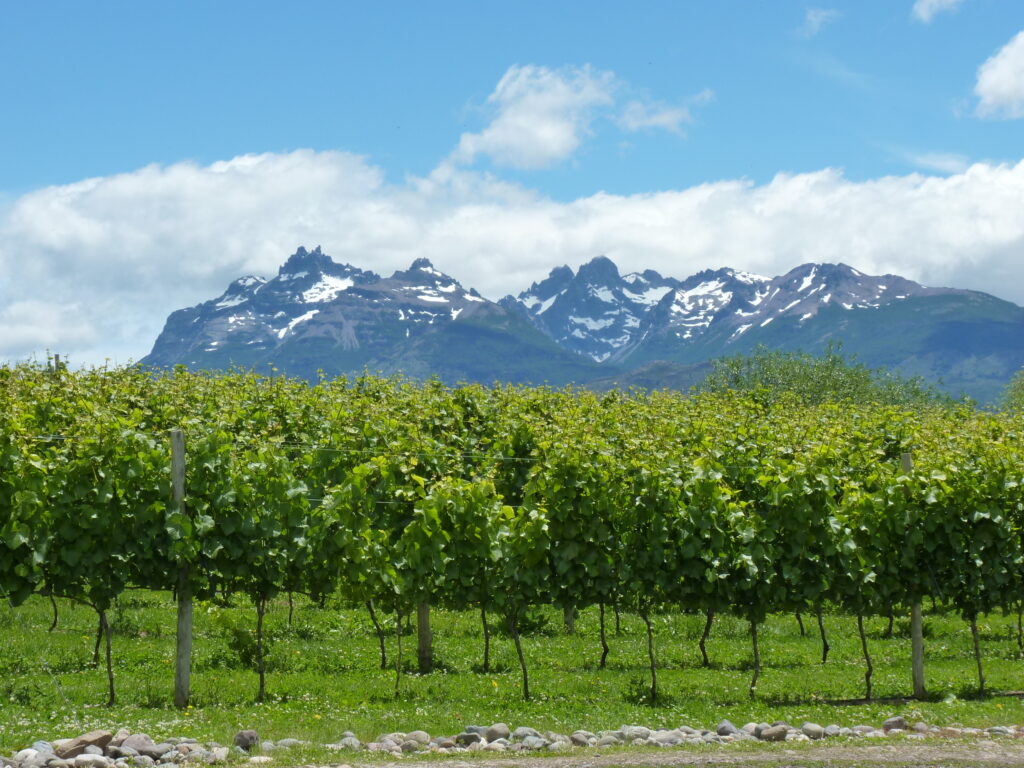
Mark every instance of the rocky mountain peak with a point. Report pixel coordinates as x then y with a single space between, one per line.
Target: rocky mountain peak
599 271
303 262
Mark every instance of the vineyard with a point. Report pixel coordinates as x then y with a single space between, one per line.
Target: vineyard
403 497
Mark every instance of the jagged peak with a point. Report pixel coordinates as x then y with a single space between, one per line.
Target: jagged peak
306 261
422 263
558 279
422 270
599 269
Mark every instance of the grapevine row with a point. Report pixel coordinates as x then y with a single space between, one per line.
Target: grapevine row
403 496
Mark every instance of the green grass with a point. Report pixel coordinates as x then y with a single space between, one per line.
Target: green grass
323 674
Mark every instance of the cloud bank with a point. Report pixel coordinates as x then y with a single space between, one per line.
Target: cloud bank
92 269
1000 84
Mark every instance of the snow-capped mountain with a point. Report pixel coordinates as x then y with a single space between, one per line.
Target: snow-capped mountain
314 308
594 323
595 312
605 316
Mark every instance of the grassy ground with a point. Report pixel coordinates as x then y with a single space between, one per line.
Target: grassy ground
324 676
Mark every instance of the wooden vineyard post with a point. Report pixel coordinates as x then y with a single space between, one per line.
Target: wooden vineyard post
183 655
424 637
916 619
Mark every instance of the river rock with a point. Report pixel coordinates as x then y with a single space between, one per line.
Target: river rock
246 739
260 759
522 732
77 745
726 728
420 737
582 738
119 737
534 742
497 731
633 732
833 730
812 731
498 745
608 741
894 724
480 730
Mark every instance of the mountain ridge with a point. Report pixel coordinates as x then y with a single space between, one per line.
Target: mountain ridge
593 324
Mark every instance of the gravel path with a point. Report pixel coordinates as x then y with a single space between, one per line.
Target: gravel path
951 754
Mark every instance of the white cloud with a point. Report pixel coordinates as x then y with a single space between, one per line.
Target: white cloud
1000 85
35 325
637 116
815 19
925 10
942 162
93 269
542 115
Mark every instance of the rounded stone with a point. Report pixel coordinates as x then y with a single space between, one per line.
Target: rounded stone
894 724
497 731
634 732
534 742
246 739
812 731
774 733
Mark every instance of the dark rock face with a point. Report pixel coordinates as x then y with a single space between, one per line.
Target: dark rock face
593 325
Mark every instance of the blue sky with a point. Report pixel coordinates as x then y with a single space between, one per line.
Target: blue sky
219 136
100 88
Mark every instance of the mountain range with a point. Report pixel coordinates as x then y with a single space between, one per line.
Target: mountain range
593 326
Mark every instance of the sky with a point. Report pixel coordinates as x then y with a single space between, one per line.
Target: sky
151 153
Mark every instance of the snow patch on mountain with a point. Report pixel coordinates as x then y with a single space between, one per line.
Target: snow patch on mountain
326 289
295 321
